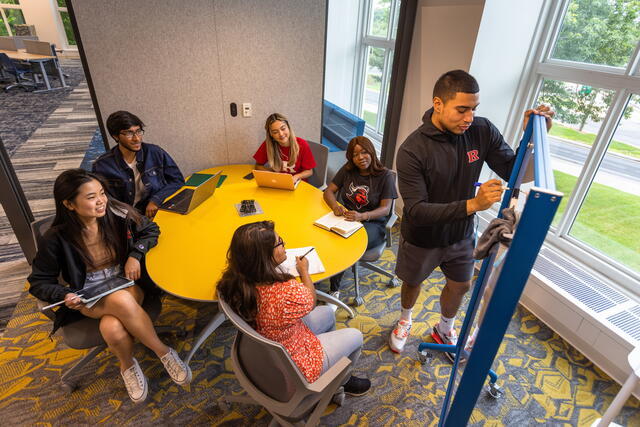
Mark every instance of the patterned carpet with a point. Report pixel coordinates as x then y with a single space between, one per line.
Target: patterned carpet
21 112
546 381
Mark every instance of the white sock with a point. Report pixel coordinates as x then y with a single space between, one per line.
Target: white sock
446 324
405 314
472 338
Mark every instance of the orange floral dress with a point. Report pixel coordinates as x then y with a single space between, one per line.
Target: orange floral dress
281 307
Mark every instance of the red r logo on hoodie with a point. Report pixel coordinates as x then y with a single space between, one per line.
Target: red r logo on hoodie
473 156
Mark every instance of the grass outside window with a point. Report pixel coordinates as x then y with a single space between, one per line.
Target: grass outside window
607 220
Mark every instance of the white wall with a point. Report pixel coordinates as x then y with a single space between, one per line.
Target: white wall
444 39
501 49
342 41
43 14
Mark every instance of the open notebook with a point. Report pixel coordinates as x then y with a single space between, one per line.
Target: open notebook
289 265
338 224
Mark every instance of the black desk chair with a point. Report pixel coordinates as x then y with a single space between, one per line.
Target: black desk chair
17 71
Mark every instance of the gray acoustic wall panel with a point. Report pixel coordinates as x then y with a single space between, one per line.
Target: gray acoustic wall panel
179 64
272 55
159 60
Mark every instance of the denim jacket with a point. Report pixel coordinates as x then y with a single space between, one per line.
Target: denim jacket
159 173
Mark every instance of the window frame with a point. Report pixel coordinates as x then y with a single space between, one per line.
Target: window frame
3 15
624 82
364 42
59 9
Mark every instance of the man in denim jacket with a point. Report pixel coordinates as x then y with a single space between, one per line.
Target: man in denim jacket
140 174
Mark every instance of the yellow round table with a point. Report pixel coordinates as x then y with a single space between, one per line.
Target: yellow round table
192 248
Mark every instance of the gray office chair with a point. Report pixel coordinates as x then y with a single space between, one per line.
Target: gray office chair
321 155
85 334
266 372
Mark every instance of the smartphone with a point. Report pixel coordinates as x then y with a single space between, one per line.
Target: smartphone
248 176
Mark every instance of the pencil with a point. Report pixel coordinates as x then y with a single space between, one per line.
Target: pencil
308 252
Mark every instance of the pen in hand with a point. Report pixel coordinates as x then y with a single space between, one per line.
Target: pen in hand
58 303
307 253
478 184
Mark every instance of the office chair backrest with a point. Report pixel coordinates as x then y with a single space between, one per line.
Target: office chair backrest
321 155
265 363
38 228
7 64
38 47
20 40
7 43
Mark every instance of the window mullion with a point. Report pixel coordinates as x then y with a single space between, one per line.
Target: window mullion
578 75
6 22
558 14
633 67
378 42
382 98
592 163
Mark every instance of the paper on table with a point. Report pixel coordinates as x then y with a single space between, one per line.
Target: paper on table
289 265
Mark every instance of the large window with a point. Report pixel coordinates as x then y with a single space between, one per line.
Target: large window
10 16
588 70
380 23
66 22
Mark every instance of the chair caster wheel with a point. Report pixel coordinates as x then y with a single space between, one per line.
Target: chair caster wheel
423 356
68 388
494 390
357 301
223 405
338 398
394 283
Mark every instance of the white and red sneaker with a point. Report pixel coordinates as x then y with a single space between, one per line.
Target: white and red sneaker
399 335
450 339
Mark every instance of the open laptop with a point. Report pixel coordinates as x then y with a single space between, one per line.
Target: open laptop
283 181
188 199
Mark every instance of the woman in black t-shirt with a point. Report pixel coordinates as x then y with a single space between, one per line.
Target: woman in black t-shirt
362 190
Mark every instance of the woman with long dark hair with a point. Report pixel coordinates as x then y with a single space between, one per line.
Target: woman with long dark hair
283 309
365 190
93 238
283 151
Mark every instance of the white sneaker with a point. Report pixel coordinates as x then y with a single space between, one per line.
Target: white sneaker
135 382
399 335
178 370
336 295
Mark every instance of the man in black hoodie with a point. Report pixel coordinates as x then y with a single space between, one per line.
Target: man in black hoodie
438 166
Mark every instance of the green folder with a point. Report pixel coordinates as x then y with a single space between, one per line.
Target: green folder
198 178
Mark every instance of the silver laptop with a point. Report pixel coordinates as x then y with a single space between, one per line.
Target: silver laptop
187 199
283 181
7 43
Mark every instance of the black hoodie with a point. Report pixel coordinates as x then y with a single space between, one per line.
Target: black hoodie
436 175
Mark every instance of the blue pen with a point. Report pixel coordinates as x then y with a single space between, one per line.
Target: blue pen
478 184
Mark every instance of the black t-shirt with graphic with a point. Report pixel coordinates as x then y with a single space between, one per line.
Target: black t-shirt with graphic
364 193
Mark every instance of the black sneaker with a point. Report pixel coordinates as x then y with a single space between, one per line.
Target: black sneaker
357 386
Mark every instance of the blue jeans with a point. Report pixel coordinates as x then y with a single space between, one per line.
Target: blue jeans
335 343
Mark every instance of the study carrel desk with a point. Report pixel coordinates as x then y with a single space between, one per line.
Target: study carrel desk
192 249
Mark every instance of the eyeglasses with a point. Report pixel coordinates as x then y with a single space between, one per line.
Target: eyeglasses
129 133
280 243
